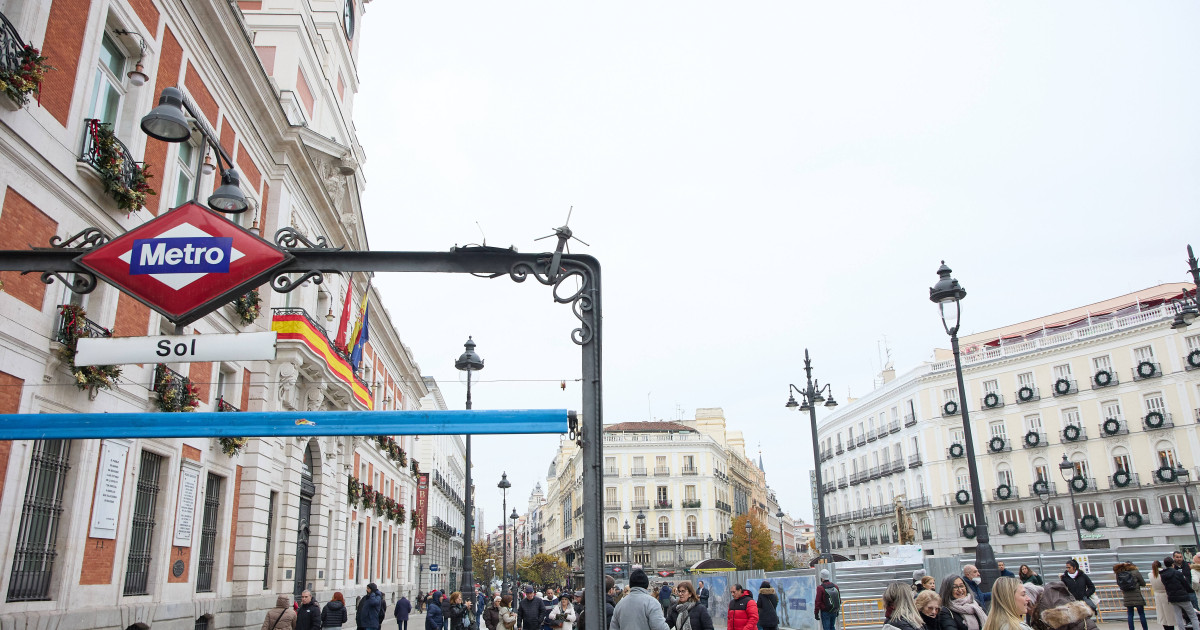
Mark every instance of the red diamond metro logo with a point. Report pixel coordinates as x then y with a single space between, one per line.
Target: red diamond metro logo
186 263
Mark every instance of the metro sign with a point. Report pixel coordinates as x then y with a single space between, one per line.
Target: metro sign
186 263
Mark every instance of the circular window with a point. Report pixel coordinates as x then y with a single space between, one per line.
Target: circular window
348 19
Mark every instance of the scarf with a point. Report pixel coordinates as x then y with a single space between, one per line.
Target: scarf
972 614
684 620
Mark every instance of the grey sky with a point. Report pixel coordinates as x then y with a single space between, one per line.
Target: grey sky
757 178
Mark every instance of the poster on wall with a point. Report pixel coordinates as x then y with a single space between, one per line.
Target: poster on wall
110 481
420 511
189 482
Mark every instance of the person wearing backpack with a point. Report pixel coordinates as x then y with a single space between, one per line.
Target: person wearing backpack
1130 581
829 602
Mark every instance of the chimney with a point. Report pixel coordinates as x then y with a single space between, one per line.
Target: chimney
888 374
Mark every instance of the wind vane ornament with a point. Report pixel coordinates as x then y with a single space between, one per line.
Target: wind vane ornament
564 234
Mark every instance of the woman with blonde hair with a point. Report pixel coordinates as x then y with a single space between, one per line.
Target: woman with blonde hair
898 597
928 604
1010 604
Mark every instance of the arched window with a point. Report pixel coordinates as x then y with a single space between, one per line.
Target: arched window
1120 460
664 527
640 531
1079 461
891 492
691 527
1004 476
1166 454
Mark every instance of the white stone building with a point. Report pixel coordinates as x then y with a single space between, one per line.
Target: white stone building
1110 385
443 457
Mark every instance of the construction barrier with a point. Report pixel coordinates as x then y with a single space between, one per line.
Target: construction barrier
1112 604
857 613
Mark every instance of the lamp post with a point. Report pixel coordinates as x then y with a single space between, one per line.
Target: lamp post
782 546
504 485
1186 476
1189 311
729 543
947 294
1067 469
641 519
810 396
1044 496
749 543
628 561
167 123
513 517
468 362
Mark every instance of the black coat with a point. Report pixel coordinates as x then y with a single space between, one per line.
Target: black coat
609 607
1176 584
456 616
531 613
767 615
698 615
931 623
334 614
1080 587
949 620
308 616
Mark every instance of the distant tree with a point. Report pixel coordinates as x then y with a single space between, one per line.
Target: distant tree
542 569
766 554
481 552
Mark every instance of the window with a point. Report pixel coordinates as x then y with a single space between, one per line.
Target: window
270 531
208 534
639 494
664 527
991 387
956 436
137 570
961 480
966 519
1062 371
689 493
1166 455
1071 418
1155 403
1175 502
640 530
36 542
689 462
662 494
1033 422
898 452
613 558
1121 460
1042 513
1089 508
950 394
1144 353
185 182
997 429
692 527
107 87
610 496
1193 343
610 528
1081 466
1004 477
1011 516
1102 364
610 463
1041 473
1025 379
1135 506
1111 409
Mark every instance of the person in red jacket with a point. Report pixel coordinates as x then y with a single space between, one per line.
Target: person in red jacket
743 611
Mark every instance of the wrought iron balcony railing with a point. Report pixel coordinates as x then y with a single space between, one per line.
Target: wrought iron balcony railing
224 405
90 329
93 154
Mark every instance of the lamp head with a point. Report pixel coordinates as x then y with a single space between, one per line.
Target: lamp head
1066 468
228 197
947 289
791 403
504 482
514 516
749 527
468 361
166 122
137 76
641 516
804 406
1184 318
831 403
1180 471
779 514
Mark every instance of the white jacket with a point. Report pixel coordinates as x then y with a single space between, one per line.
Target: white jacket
568 623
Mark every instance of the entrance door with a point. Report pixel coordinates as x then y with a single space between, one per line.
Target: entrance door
307 490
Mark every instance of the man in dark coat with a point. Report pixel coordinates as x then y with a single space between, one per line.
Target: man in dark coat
308 613
531 612
370 609
702 593
403 608
1177 586
433 612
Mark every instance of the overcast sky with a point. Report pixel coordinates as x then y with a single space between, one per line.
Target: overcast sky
758 178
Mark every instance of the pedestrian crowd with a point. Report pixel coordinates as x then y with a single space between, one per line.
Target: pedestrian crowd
1020 601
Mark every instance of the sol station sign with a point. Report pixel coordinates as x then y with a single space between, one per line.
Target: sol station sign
186 263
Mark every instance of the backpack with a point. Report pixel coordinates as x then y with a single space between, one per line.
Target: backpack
834 595
1126 581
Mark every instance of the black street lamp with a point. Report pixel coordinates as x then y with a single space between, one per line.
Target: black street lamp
948 294
468 362
782 546
749 543
513 517
641 519
1043 492
1185 475
504 485
810 396
1189 311
627 559
167 123
1067 469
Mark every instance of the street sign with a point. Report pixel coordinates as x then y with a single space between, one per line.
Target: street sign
185 263
258 346
433 567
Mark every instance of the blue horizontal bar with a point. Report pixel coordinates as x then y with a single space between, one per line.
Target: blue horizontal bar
38 426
